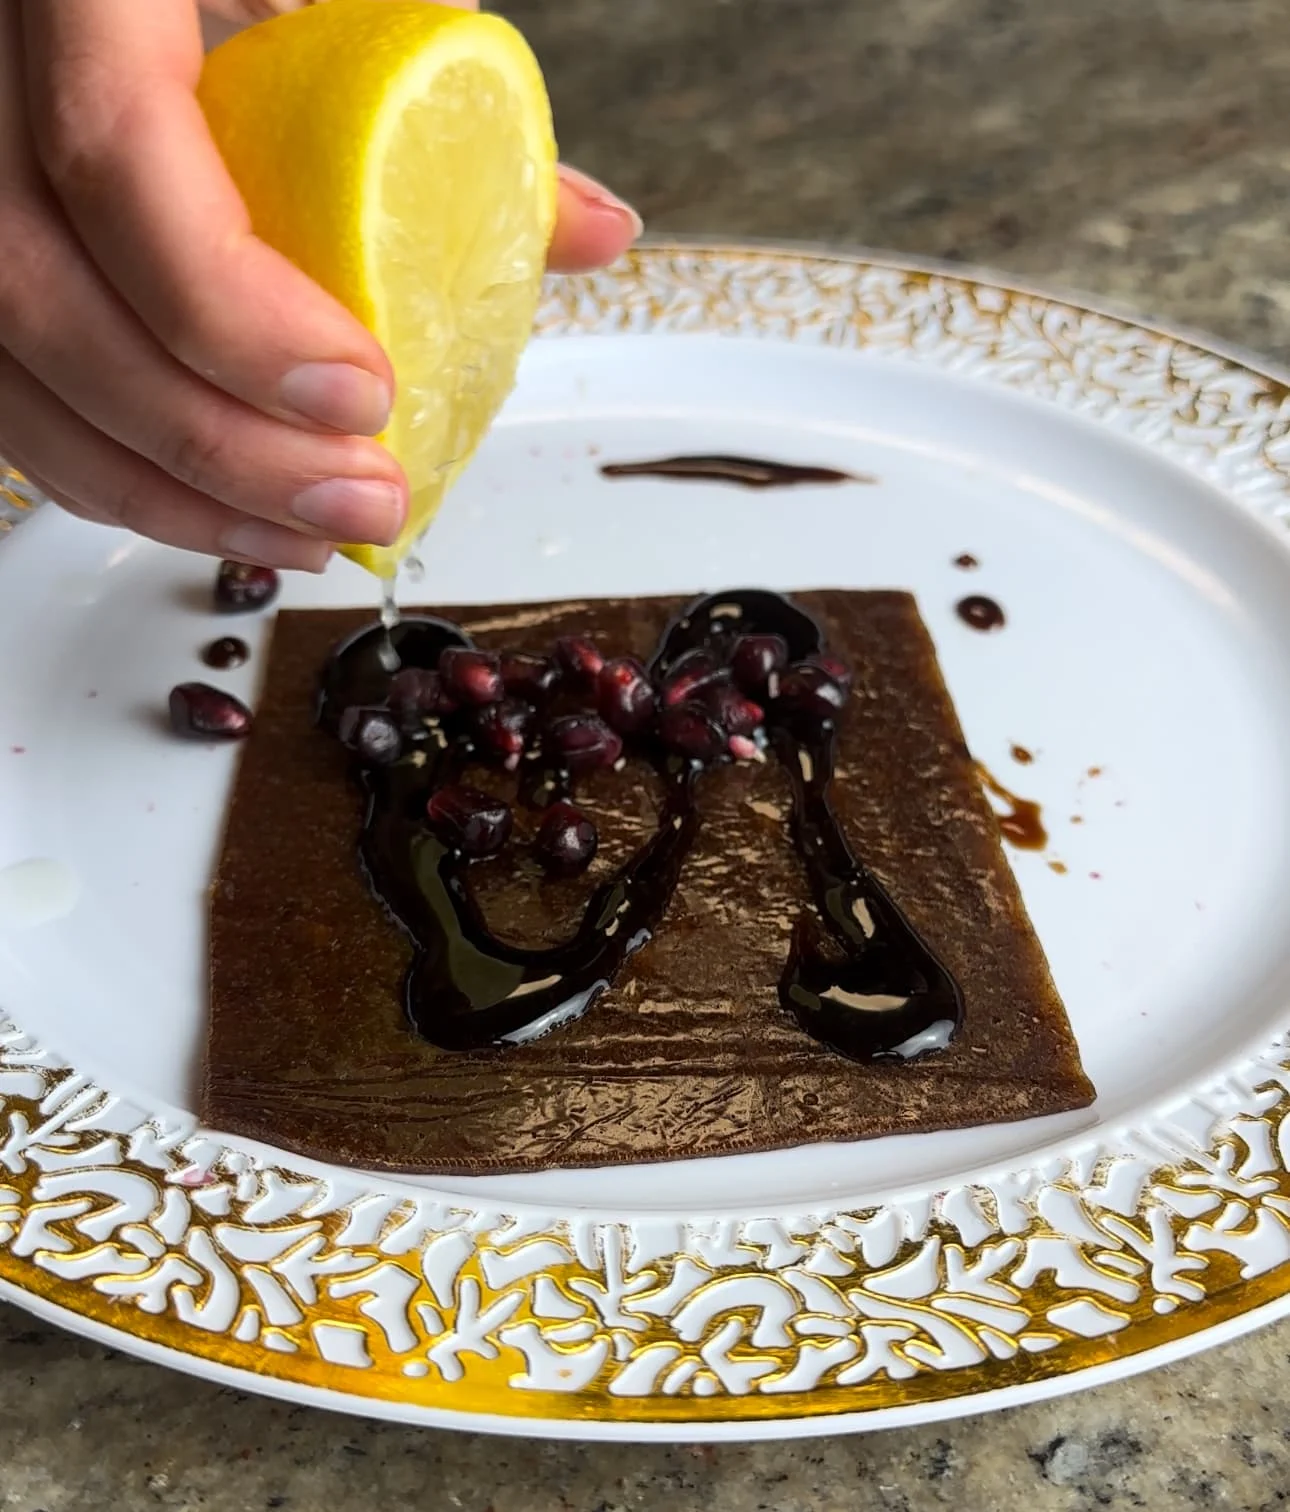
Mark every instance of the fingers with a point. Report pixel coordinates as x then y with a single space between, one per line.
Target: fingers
95 478
72 333
593 226
123 141
61 320
152 346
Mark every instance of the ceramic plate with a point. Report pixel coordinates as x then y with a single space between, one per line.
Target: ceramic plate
1125 493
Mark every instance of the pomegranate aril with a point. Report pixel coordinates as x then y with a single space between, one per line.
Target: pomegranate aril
240 587
472 677
579 660
807 689
418 693
838 671
372 734
582 743
201 712
566 840
690 674
528 676
743 749
625 696
475 823
735 714
504 729
756 658
688 730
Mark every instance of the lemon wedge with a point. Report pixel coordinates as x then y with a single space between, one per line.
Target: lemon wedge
402 154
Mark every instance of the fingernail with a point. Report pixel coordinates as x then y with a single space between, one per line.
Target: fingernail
338 394
352 509
274 546
595 196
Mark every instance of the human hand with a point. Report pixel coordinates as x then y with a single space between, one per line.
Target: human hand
160 367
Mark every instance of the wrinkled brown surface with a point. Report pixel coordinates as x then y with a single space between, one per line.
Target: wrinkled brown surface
689 1053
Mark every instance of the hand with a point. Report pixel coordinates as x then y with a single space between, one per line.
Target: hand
160 367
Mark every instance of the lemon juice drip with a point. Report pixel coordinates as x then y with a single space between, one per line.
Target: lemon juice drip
389 657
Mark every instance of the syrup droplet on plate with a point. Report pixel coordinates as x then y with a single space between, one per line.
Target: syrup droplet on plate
226 652
980 613
1021 823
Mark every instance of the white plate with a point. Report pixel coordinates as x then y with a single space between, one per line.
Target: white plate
1123 492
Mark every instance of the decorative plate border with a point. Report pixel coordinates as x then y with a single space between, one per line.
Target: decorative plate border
377 1294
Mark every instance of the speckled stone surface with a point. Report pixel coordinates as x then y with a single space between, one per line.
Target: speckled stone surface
1138 151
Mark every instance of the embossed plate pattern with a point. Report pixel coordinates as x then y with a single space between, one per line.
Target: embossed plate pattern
1125 491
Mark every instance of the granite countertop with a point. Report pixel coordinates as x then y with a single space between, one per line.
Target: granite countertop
1137 152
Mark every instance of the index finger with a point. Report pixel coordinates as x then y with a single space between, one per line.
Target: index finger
124 142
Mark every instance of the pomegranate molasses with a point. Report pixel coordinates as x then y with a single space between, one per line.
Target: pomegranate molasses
226 652
1022 824
745 472
980 613
858 978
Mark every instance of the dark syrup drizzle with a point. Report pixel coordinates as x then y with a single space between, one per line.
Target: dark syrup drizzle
980 613
228 651
1023 824
747 472
876 991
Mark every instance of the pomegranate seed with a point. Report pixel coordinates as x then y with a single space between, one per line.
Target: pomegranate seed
735 714
579 660
838 671
201 712
808 689
687 729
583 743
756 658
689 674
473 677
504 729
526 676
624 695
475 823
372 734
743 749
239 587
417 693
566 840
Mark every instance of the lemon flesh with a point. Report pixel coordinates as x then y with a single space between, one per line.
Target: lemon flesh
402 155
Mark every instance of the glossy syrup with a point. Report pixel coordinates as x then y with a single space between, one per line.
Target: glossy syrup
1021 823
746 472
226 652
980 612
858 977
